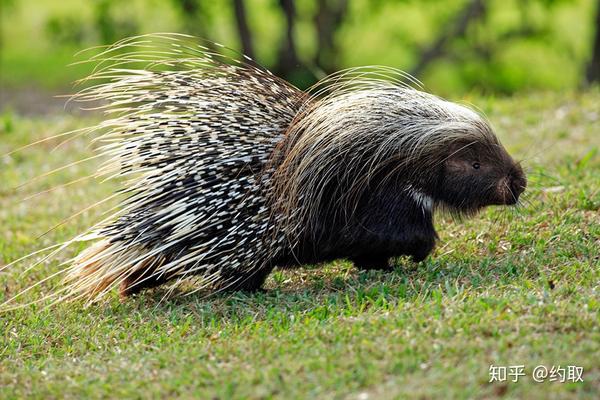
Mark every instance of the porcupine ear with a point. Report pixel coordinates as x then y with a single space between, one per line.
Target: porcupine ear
121 85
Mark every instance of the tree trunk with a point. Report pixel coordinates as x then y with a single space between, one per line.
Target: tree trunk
243 28
474 10
193 17
288 60
593 68
327 20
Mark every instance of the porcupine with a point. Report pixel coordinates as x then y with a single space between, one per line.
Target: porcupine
236 172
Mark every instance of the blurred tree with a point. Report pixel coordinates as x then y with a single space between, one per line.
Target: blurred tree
287 56
593 68
455 45
195 17
328 19
239 8
66 29
5 7
456 28
470 42
111 28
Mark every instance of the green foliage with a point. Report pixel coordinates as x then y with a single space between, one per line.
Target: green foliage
508 287
6 123
65 30
510 46
109 27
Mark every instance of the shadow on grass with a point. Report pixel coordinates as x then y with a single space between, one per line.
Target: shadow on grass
337 289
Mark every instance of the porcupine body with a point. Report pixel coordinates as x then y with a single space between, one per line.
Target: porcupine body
235 172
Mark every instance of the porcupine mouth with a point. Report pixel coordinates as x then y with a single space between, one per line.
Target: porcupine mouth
507 197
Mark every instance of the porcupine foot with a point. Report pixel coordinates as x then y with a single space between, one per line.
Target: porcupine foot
369 261
422 249
137 282
418 251
250 282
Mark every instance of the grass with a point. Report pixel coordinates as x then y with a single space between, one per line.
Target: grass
509 287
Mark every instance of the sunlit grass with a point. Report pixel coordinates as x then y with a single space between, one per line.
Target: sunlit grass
509 287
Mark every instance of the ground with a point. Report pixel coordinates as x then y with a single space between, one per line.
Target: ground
508 287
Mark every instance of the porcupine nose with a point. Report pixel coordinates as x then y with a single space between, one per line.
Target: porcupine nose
517 184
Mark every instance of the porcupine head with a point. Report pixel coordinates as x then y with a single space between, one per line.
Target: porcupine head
369 168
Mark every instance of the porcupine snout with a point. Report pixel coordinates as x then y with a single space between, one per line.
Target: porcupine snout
512 185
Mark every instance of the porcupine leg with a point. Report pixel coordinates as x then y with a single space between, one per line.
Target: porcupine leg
247 282
139 281
421 249
370 261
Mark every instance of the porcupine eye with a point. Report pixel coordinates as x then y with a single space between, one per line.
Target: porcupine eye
476 165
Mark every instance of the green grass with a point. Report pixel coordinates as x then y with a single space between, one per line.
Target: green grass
509 287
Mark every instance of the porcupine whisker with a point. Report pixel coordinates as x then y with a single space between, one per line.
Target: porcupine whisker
510 191
83 132
539 149
502 214
523 199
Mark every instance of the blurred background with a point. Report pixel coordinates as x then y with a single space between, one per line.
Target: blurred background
454 47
